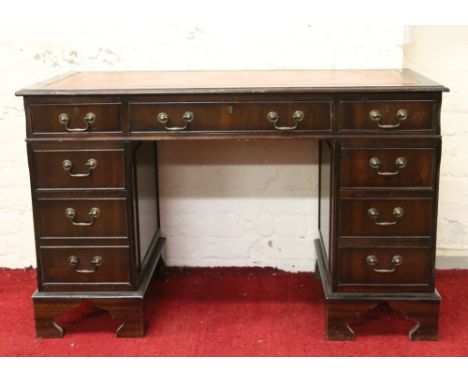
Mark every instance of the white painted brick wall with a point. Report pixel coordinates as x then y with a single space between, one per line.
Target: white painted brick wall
222 203
441 53
239 202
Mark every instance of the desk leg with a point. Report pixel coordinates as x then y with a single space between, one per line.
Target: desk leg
424 313
130 311
339 315
45 313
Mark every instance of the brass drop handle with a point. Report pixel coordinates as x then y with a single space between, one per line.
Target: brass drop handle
74 262
297 117
374 214
91 164
375 163
376 116
372 260
88 119
187 117
93 213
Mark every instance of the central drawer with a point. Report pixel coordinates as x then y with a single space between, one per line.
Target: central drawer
225 117
386 217
82 218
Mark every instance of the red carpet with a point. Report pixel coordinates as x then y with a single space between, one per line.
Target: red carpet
230 312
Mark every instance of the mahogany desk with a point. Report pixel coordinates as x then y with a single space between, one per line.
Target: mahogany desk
92 140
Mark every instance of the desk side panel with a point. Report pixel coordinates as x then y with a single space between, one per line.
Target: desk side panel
325 172
146 199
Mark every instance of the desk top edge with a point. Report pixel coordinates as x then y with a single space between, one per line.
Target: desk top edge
232 81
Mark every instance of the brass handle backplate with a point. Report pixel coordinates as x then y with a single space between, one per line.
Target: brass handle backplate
375 163
297 117
374 214
93 213
90 164
88 119
187 117
74 262
372 260
376 116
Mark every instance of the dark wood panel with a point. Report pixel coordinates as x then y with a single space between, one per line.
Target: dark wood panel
355 115
396 140
325 194
45 118
155 136
416 219
390 167
384 242
374 193
146 197
111 222
86 168
65 265
385 268
230 116
80 241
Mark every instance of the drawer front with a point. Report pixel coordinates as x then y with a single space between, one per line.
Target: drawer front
75 118
85 265
386 217
225 117
389 116
387 167
384 266
75 218
79 169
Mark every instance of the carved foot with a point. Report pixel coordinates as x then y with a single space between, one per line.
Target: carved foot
130 311
339 316
339 330
426 315
48 328
45 313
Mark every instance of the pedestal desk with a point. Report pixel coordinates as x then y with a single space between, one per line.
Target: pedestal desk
92 148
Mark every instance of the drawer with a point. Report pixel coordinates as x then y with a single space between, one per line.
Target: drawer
78 169
75 118
390 116
395 167
84 265
82 218
225 117
386 217
385 267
